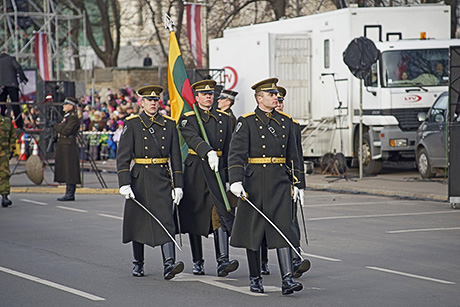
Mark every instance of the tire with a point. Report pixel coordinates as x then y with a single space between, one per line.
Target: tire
423 164
370 167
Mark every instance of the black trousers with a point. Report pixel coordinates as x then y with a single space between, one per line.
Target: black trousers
13 92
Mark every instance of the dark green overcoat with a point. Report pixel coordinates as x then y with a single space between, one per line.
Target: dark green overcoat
67 161
151 183
201 190
268 185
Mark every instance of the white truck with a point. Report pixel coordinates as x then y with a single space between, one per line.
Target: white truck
306 55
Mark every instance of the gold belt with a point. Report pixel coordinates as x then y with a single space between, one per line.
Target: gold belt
192 152
151 160
267 160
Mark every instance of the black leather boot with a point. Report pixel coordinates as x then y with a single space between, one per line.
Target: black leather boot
197 254
138 262
69 193
5 201
255 281
255 284
224 265
288 285
299 266
264 270
171 267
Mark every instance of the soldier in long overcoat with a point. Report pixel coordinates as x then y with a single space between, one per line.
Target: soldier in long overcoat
202 210
261 149
67 162
7 141
151 139
299 266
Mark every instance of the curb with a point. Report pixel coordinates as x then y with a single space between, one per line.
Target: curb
399 194
60 190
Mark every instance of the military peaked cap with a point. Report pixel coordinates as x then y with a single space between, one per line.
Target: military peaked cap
70 100
267 85
204 86
228 94
281 93
151 92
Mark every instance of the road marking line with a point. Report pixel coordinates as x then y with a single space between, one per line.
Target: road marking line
72 209
110 216
33 202
351 204
218 283
411 275
423 229
321 257
378 215
53 285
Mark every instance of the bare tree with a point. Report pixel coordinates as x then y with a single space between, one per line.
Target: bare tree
106 20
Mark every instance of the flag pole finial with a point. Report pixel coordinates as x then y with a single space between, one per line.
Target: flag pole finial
169 23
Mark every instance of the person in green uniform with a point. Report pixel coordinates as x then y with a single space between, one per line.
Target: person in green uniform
263 147
7 143
152 141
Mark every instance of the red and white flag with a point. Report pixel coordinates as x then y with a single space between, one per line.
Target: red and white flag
194 33
41 55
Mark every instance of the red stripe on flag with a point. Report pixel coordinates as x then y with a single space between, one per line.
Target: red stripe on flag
41 55
194 33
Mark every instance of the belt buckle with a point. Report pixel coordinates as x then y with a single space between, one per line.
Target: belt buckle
152 160
272 160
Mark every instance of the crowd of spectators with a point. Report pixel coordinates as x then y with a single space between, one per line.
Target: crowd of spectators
101 119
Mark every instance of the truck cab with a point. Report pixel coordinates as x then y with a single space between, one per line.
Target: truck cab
405 81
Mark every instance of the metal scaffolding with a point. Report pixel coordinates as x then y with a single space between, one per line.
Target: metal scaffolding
21 19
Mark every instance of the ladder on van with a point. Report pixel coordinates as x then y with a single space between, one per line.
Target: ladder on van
313 131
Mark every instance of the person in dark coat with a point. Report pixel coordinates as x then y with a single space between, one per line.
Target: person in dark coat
203 210
147 61
67 162
299 266
225 102
152 140
262 147
10 70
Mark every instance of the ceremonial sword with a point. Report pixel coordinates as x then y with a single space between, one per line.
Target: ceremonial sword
158 221
274 226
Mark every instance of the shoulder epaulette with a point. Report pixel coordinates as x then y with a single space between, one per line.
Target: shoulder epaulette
189 113
223 112
132 116
282 113
248 114
169 117
295 122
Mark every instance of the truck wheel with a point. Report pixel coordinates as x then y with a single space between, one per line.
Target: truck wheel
370 167
423 164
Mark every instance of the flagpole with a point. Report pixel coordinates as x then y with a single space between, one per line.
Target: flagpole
169 23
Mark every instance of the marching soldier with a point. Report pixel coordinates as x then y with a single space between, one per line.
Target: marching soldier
203 211
299 266
262 145
7 143
67 162
225 102
152 140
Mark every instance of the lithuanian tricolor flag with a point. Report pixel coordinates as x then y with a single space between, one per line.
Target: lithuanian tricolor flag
180 92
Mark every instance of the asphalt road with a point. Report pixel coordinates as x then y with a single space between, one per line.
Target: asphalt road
365 251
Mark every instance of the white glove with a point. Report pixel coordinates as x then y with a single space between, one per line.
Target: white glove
213 160
237 189
177 194
296 195
302 197
126 191
227 187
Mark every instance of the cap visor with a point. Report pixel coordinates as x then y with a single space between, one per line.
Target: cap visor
272 91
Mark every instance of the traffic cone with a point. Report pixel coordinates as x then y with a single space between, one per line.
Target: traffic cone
35 148
23 156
